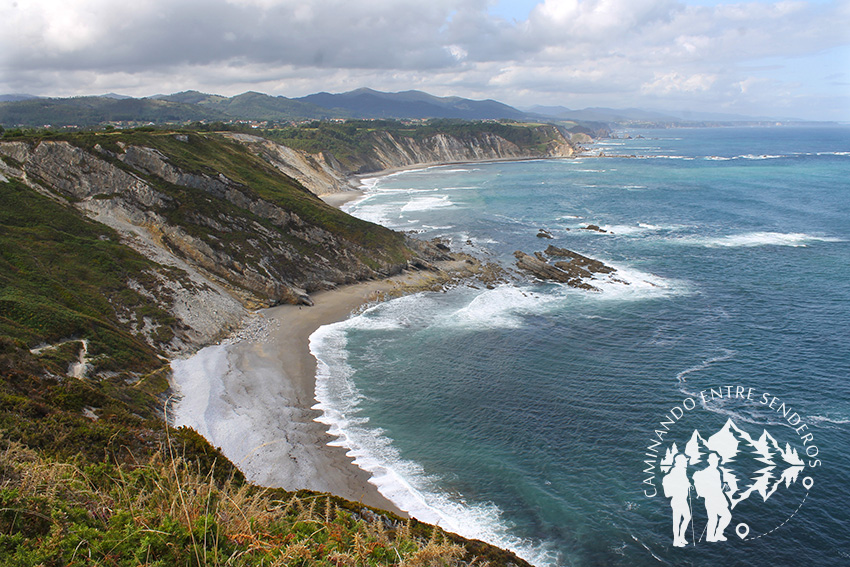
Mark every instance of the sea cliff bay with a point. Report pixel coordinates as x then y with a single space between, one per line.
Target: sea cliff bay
171 243
524 414
204 356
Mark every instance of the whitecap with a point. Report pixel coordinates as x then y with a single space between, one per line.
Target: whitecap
621 229
760 238
376 213
762 156
427 203
631 284
369 183
458 170
662 156
639 228
826 421
402 481
727 355
501 307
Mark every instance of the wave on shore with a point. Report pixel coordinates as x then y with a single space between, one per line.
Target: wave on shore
402 481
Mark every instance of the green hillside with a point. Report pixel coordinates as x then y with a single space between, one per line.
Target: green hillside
86 111
193 106
89 472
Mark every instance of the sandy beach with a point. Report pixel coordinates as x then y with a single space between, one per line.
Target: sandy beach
339 199
252 396
253 399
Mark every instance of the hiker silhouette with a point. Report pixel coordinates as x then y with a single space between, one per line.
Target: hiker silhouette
709 486
677 488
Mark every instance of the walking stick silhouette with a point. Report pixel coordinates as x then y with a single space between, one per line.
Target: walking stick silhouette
691 508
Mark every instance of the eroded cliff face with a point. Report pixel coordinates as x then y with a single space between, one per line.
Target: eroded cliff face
224 244
233 219
393 151
322 173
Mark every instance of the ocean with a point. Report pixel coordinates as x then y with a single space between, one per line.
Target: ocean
540 417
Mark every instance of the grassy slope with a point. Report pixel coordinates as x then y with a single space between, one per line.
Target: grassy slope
168 511
121 489
211 154
62 276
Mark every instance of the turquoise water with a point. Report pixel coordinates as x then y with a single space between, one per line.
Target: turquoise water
522 415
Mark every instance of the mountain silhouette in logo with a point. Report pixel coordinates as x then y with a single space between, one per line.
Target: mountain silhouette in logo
748 464
697 448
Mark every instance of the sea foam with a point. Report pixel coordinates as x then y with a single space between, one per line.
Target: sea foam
402 481
748 239
427 203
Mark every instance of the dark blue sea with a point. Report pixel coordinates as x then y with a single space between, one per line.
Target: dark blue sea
536 416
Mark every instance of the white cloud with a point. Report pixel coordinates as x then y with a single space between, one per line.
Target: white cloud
674 82
566 52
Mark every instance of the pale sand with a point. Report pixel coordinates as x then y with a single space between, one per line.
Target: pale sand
339 199
254 398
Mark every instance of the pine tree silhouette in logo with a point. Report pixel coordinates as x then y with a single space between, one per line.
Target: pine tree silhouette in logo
723 471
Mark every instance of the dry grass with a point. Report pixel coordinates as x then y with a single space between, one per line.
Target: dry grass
167 512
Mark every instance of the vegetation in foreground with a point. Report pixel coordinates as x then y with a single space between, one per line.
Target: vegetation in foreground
168 512
84 480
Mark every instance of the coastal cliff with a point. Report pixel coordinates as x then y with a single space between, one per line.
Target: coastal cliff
222 223
394 151
364 148
226 231
120 251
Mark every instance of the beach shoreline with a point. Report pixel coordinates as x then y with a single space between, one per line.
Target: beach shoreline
253 396
359 189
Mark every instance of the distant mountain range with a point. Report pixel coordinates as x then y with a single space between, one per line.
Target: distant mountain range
189 106
15 97
368 103
26 110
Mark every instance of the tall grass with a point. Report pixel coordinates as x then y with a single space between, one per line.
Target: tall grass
168 512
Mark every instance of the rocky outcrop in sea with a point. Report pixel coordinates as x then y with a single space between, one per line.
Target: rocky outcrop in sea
574 269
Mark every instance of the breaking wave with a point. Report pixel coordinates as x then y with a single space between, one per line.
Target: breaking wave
796 239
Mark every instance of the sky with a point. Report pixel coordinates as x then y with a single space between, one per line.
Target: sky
780 59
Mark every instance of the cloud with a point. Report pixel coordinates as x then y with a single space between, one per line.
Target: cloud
566 51
674 82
